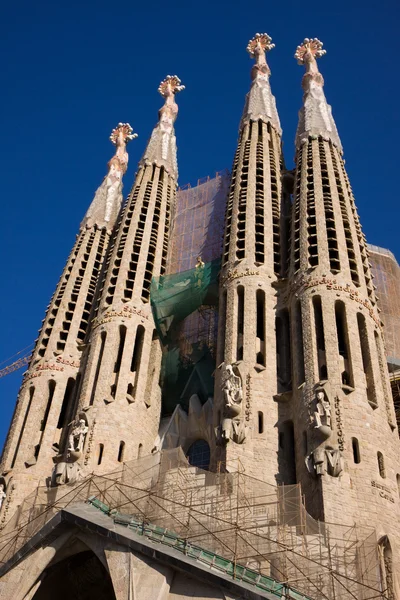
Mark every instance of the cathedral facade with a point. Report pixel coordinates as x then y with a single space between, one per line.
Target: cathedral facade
291 390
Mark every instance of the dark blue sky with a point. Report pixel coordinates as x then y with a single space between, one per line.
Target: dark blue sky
72 70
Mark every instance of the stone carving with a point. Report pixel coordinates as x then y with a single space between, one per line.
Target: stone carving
77 436
325 460
232 427
322 415
67 467
3 494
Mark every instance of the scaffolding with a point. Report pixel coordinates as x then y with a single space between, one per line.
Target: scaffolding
258 531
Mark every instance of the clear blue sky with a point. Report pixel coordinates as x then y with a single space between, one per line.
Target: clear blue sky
72 70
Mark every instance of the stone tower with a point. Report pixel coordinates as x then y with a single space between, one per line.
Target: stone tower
46 401
346 439
251 264
120 394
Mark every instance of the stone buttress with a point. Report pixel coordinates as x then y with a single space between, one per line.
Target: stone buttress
245 410
120 394
46 401
346 441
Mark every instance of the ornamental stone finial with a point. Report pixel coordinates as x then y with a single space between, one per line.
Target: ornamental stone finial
120 136
123 133
259 41
170 85
257 47
309 50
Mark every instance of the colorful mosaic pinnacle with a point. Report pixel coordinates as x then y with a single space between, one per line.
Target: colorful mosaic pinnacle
262 40
171 83
127 133
311 47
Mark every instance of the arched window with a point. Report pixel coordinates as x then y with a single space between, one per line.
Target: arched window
198 455
240 322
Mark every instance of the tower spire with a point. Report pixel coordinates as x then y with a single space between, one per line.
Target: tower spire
161 149
260 103
106 203
315 116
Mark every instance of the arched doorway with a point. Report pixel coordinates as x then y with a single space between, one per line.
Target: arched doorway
78 577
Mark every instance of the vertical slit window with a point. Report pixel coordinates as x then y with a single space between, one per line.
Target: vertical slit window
100 454
366 360
260 422
320 337
356 451
343 344
240 323
140 449
52 387
121 452
381 465
122 336
283 358
260 339
103 336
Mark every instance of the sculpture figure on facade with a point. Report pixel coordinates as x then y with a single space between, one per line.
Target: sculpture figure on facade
322 415
77 436
3 494
232 390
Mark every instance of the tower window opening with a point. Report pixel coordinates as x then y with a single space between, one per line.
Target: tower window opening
21 433
366 360
320 337
121 452
100 454
221 339
387 568
137 355
260 422
260 339
356 451
52 387
122 336
140 449
287 455
381 465
103 337
343 344
240 323
199 454
298 347
66 403
283 358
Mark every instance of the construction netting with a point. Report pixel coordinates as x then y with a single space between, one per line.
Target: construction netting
236 522
185 300
175 297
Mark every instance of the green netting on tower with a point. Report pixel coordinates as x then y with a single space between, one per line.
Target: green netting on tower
174 297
